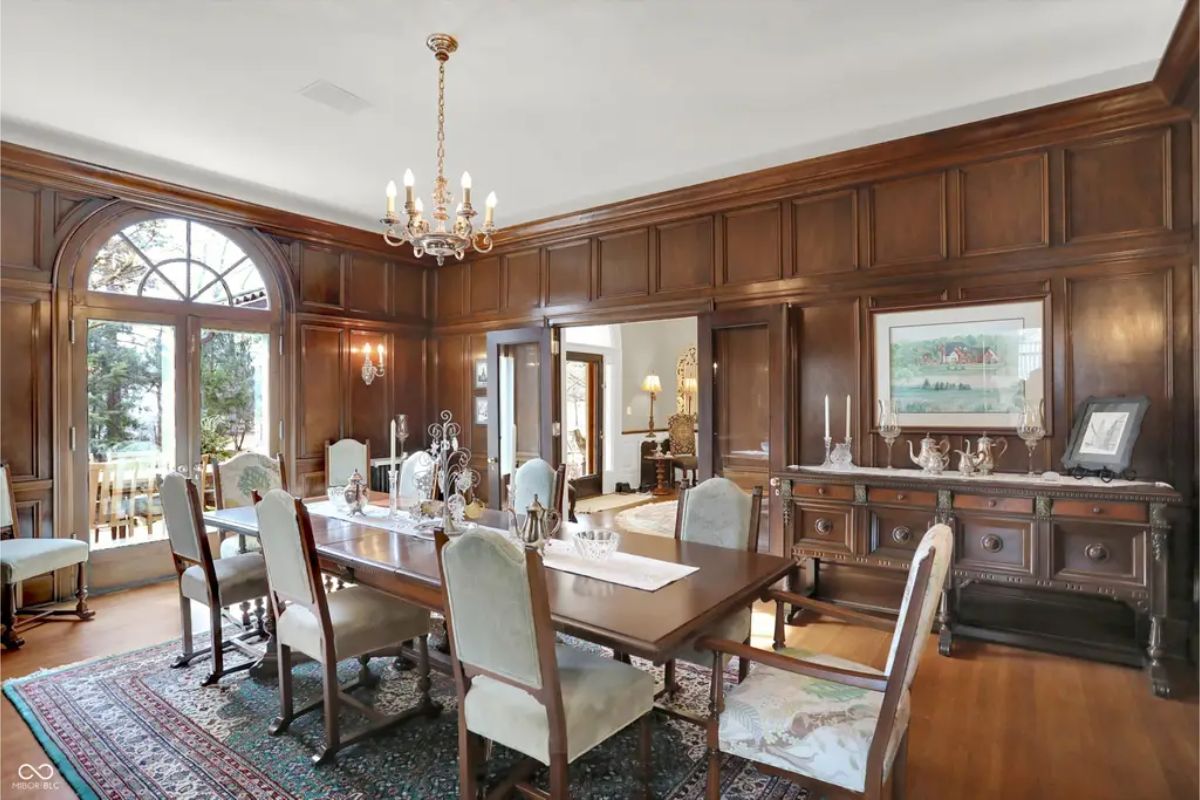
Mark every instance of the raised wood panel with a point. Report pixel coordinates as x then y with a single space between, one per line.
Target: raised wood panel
485 285
908 220
321 279
321 383
20 225
24 375
451 377
752 245
1120 344
367 284
624 264
828 365
825 233
409 292
368 407
521 279
408 384
685 255
1118 187
569 273
451 290
1005 204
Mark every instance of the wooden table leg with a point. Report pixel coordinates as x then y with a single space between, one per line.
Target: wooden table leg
660 474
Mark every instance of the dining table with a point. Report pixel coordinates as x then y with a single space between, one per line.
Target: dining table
631 621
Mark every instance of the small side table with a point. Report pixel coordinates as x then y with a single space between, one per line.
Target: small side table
662 463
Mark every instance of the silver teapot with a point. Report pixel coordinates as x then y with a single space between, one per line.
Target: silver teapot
356 493
934 456
986 455
536 529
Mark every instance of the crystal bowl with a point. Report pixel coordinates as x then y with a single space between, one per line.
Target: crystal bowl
596 545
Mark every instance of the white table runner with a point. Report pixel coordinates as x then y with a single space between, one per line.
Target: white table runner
374 517
638 572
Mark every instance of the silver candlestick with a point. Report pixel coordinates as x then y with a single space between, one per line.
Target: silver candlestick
828 446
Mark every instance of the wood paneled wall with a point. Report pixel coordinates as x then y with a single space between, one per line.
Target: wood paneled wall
344 288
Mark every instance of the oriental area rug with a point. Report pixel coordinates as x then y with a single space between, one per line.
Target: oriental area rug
129 726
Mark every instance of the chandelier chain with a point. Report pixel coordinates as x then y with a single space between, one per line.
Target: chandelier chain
441 132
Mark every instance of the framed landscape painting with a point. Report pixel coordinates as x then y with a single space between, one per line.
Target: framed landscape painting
964 367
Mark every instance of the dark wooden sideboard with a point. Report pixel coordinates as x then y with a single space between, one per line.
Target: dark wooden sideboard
1027 536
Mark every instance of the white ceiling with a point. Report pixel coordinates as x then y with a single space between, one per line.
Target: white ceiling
556 106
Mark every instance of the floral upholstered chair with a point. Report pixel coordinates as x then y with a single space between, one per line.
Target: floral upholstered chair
825 722
516 686
234 483
717 512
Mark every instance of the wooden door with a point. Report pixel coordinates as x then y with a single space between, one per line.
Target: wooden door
743 430
583 443
522 397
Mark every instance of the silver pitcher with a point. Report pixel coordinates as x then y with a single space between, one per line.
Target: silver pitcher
968 461
934 456
356 493
536 529
986 454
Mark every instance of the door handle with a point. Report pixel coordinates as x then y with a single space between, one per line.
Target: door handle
493 460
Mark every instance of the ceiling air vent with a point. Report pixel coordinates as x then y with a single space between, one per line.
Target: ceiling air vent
334 97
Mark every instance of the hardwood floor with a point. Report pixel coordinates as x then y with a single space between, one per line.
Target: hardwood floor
991 722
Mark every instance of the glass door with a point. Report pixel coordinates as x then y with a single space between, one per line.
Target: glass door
583 421
522 415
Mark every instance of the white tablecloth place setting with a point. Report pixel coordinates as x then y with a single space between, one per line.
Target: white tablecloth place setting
626 569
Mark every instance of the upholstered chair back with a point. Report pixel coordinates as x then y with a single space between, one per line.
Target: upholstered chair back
938 544
534 477
717 512
491 606
7 516
289 570
180 516
343 457
246 473
417 470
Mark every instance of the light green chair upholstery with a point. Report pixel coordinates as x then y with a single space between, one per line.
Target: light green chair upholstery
492 618
416 476
343 457
23 558
535 478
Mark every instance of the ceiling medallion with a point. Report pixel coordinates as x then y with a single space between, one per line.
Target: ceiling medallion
438 238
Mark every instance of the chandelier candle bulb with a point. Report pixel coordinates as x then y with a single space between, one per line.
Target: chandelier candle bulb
391 198
466 187
490 206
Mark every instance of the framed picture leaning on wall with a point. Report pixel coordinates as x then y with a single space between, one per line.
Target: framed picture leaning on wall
971 367
1104 433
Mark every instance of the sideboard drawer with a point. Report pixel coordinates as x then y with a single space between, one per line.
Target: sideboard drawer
896 532
824 491
1098 553
1002 505
823 528
994 544
1125 512
902 497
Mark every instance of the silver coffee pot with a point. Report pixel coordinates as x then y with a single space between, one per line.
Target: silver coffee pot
934 456
540 524
987 454
356 493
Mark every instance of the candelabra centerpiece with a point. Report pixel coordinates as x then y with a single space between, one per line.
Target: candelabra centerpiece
443 236
452 470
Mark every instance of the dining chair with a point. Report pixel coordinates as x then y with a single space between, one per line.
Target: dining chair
216 583
343 457
354 622
24 557
821 721
516 686
234 483
537 478
416 476
681 429
719 513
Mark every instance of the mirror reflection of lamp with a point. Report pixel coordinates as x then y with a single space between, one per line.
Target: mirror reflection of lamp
690 389
653 386
370 370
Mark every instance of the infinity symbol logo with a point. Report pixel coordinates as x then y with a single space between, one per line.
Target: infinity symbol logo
28 772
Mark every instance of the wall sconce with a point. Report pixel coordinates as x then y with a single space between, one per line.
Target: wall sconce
653 385
690 389
371 370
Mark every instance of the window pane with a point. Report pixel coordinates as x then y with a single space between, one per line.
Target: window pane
233 392
160 239
214 249
207 286
117 268
131 428
246 284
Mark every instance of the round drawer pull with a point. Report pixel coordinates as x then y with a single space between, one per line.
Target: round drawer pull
992 543
900 495
823 526
1097 510
821 490
1096 552
901 534
991 503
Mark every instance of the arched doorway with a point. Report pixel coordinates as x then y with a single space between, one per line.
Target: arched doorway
175 340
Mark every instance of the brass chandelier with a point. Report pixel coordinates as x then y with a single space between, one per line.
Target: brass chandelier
439 238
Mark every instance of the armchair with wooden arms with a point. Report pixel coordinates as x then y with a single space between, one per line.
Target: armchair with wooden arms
825 722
